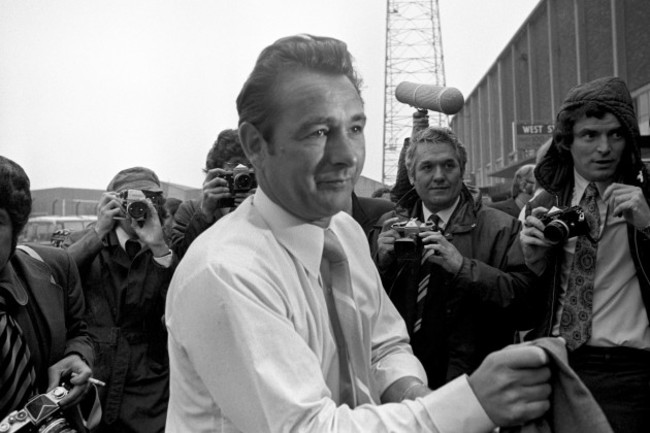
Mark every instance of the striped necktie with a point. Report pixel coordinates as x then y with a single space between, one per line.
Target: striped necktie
17 376
423 281
575 324
354 360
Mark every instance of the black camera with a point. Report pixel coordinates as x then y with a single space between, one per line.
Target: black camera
134 204
409 246
563 224
240 179
41 414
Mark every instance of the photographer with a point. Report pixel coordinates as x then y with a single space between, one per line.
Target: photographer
596 278
195 216
464 289
126 267
43 337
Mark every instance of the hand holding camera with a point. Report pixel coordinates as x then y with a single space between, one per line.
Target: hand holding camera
73 372
438 250
109 208
226 188
533 241
41 414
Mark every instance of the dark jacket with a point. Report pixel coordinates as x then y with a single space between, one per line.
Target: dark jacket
476 311
49 307
189 223
555 174
508 206
367 211
125 303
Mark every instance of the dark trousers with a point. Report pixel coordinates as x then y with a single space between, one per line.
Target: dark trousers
619 379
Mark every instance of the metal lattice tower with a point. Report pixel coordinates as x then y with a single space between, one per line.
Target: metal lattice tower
413 53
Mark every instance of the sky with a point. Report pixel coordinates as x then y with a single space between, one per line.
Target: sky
88 88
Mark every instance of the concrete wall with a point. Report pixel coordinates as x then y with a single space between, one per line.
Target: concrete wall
561 44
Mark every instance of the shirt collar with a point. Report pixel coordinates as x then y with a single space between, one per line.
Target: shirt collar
581 184
122 237
444 214
303 240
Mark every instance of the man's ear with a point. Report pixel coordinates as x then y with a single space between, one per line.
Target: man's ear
254 145
411 177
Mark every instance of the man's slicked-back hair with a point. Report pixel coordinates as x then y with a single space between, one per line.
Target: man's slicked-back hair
15 196
255 103
435 135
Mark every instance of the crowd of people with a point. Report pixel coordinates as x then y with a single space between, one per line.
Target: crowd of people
281 301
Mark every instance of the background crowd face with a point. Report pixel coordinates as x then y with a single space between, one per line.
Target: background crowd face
316 150
437 175
597 147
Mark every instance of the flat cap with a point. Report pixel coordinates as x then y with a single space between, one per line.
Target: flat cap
135 178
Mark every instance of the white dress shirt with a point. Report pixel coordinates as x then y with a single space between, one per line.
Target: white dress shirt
251 345
619 314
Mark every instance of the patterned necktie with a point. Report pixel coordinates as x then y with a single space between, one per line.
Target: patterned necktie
423 281
354 361
17 376
575 325
132 248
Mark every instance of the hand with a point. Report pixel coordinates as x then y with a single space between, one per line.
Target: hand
110 206
78 371
241 196
215 189
151 232
627 201
533 243
438 250
386 243
512 384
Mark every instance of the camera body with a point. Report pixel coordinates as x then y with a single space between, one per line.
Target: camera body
408 247
563 224
134 204
240 180
41 414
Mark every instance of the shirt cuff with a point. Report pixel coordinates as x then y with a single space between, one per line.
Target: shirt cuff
455 408
164 261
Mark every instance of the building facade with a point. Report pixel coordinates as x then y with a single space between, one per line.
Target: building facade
512 110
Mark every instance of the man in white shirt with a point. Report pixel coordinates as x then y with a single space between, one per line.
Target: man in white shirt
261 338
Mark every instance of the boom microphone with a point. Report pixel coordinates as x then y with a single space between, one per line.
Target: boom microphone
446 100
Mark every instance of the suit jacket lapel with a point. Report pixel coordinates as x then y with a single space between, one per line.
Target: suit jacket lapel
48 295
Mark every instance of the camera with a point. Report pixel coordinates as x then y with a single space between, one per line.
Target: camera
134 204
240 179
563 224
409 246
41 414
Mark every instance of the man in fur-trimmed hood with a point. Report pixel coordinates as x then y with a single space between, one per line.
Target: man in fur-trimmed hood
596 280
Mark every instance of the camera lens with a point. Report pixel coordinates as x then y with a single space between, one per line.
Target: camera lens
556 231
242 181
58 425
137 210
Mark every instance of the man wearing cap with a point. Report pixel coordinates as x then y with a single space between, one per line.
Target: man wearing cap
125 268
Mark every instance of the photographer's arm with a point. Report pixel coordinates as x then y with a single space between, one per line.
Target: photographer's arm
533 243
84 249
215 189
